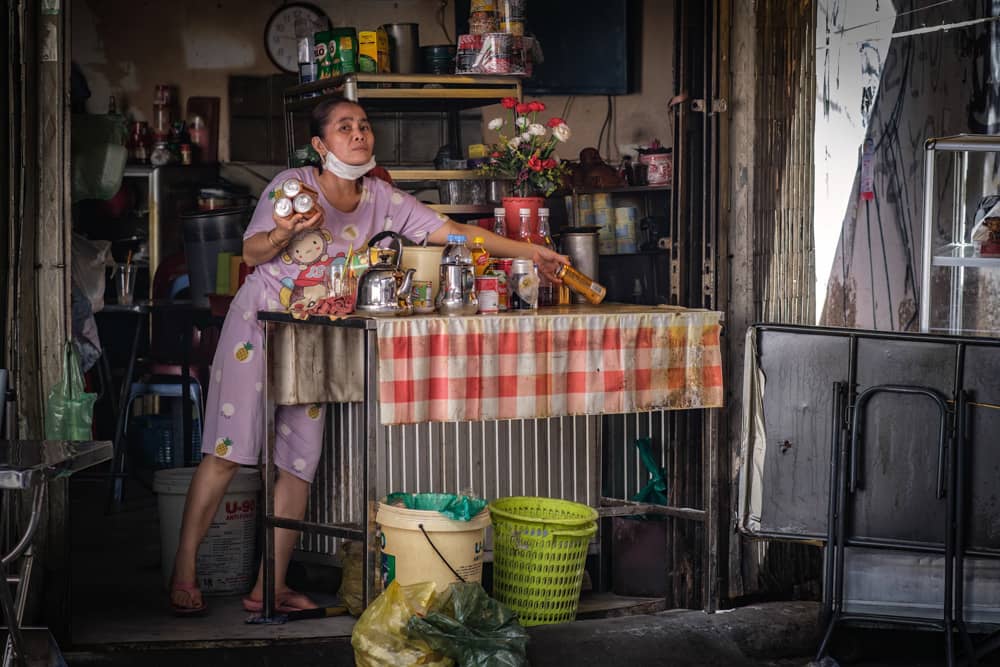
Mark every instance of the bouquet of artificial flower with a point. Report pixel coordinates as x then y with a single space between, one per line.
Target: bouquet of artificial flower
525 153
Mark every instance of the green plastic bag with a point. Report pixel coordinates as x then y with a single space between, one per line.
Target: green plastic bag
472 629
69 411
458 508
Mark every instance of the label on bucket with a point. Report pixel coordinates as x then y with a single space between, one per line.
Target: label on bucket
388 570
225 559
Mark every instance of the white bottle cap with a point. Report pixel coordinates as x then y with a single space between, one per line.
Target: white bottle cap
499 212
543 211
525 211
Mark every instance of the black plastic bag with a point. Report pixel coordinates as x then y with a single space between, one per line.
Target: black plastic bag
473 629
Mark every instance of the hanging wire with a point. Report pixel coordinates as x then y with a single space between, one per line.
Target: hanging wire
440 20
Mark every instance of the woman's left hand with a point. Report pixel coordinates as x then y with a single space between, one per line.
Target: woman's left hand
548 261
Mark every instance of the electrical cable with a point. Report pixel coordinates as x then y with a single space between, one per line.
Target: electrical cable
440 20
885 261
871 271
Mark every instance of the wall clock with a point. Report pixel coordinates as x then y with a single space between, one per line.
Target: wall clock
287 25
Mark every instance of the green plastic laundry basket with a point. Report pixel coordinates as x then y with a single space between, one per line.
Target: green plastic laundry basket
539 554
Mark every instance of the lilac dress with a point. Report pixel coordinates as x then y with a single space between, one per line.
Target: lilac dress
234 412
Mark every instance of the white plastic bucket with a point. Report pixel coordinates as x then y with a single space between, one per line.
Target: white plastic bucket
226 556
409 558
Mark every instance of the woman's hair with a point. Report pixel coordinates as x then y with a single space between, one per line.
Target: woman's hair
320 116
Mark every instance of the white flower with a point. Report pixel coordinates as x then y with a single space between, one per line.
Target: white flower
526 136
514 143
536 129
562 132
495 124
522 122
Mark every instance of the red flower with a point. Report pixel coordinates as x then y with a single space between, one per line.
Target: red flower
495 154
549 163
534 163
537 106
508 102
554 121
523 108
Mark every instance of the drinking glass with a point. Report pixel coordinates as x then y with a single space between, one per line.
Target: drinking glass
125 282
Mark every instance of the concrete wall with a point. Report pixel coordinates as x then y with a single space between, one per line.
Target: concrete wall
126 47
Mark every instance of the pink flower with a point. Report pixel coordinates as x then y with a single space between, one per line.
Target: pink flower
508 102
555 120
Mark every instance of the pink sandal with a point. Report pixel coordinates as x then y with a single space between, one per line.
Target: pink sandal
189 610
284 603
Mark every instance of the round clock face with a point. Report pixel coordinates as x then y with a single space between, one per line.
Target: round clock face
286 27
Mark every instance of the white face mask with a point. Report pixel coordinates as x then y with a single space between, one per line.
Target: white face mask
350 172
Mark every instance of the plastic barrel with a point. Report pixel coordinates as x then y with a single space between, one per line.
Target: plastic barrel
226 563
411 555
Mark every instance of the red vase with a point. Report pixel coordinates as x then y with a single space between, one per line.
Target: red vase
513 206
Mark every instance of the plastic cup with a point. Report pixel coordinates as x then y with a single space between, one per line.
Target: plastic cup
125 283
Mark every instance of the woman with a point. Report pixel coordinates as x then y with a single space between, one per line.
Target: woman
351 209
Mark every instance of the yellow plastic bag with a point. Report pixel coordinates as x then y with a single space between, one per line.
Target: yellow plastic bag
351 583
379 638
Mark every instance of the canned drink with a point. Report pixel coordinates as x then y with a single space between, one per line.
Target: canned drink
501 268
291 187
303 203
523 285
487 290
283 207
422 296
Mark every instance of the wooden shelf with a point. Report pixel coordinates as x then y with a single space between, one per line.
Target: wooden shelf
411 175
407 92
623 190
459 209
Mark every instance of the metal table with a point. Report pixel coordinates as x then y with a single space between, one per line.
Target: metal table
366 328
27 465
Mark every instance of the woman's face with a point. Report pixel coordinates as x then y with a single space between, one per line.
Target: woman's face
348 134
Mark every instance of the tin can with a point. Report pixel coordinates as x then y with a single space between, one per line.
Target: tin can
283 207
422 296
584 285
291 187
303 203
321 54
523 285
501 269
487 290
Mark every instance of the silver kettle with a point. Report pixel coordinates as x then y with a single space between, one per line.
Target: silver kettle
384 289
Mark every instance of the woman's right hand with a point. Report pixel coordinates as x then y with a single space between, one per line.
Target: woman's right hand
285 229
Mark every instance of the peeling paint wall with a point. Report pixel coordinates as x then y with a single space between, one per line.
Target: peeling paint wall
126 47
939 78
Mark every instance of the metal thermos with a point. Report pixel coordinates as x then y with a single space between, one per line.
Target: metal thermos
404 47
457 290
582 250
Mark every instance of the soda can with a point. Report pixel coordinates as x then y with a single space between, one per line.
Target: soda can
422 296
283 207
291 187
487 290
303 203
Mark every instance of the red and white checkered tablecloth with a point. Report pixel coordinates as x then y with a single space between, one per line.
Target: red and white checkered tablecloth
605 360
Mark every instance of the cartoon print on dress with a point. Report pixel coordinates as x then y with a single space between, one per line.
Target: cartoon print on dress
308 252
223 446
397 198
228 410
350 233
313 411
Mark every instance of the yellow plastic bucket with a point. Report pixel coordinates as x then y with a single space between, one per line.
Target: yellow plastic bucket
420 545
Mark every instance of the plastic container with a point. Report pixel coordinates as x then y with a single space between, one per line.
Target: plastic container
226 563
406 537
205 236
539 554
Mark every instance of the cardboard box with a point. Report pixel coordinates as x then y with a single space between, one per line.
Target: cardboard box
373 51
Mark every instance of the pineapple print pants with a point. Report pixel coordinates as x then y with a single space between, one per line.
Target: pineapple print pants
234 412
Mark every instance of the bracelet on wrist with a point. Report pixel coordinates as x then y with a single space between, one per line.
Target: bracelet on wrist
277 246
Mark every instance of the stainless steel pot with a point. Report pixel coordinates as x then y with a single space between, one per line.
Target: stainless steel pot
582 250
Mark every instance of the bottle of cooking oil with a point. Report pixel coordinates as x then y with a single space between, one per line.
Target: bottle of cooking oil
480 256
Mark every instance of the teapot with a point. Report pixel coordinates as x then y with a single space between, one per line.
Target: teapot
384 289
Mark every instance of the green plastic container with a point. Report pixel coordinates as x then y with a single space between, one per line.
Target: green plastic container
539 554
